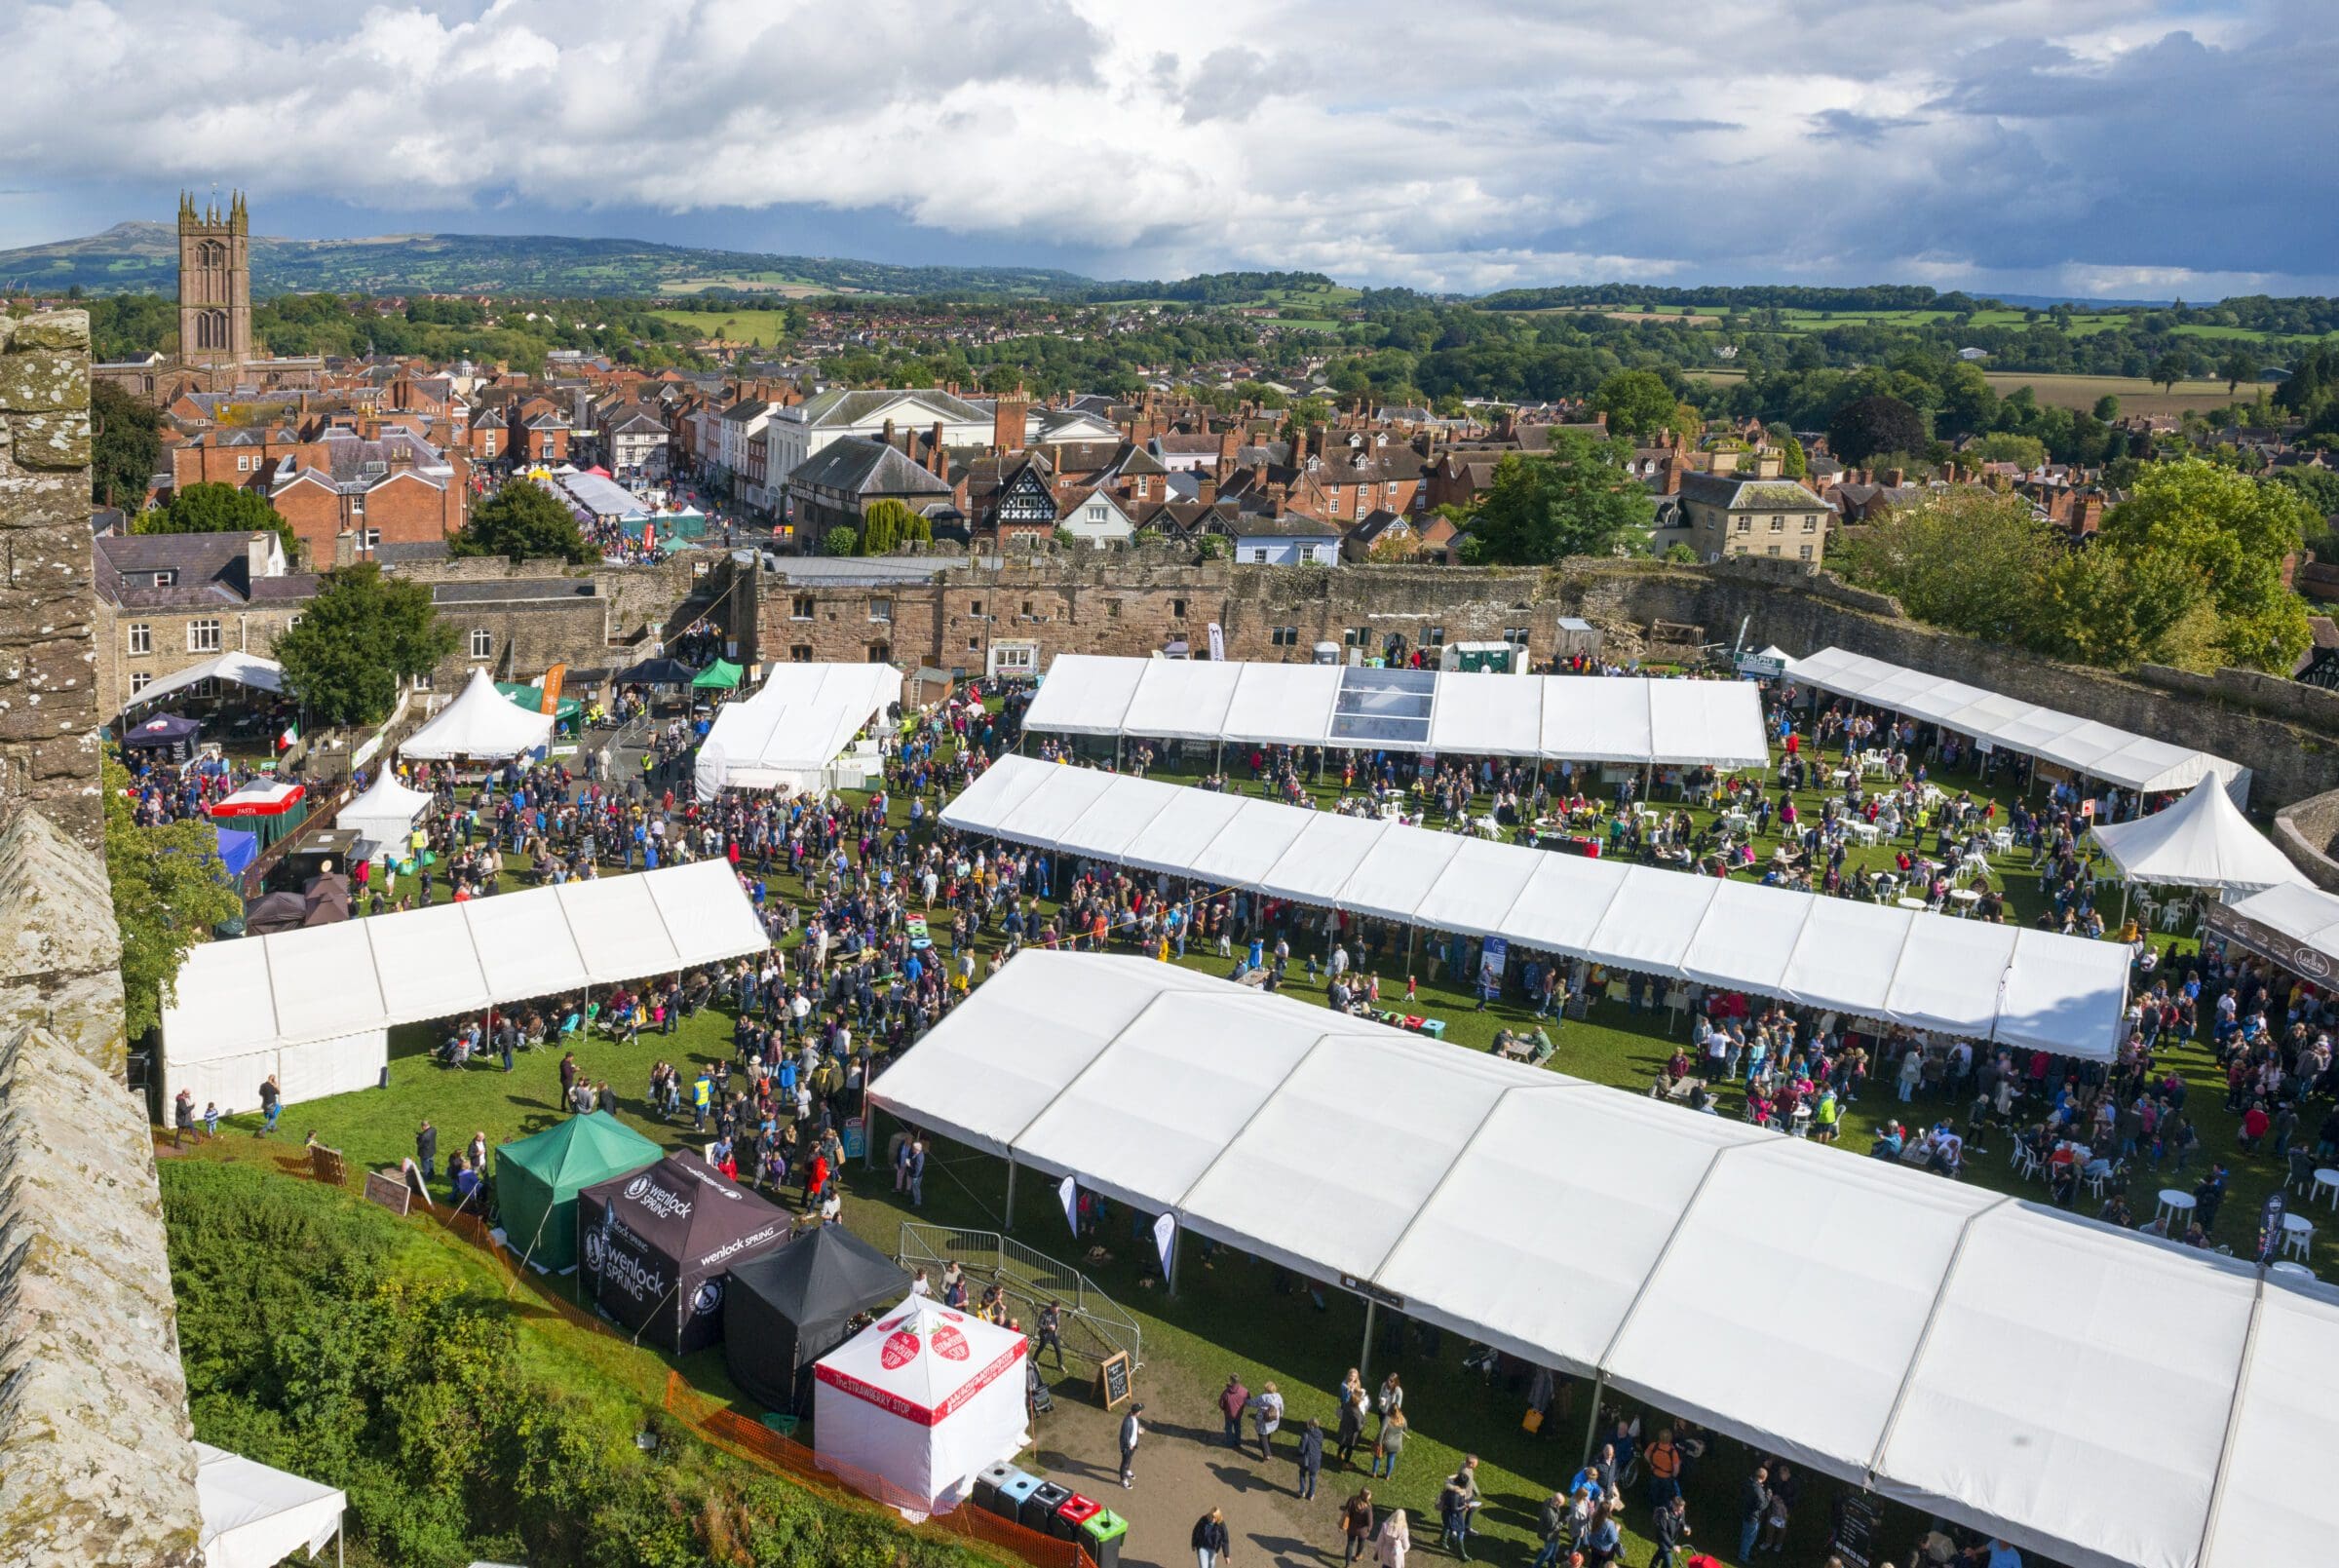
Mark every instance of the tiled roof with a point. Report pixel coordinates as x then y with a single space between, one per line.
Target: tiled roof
857 465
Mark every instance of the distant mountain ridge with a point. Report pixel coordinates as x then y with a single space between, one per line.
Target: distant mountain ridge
142 257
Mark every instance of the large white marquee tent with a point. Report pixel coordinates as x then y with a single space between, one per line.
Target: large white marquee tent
2294 924
2106 1399
2081 745
481 724
2202 841
314 1006
1581 718
796 724
1976 979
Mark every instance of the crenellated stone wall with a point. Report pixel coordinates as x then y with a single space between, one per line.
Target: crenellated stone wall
48 688
97 1451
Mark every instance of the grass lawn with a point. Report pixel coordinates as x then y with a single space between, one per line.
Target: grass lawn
1228 1316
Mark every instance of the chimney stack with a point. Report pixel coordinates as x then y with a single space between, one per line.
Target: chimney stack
1007 423
1892 478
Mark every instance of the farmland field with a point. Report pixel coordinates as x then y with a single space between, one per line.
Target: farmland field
2077 391
748 326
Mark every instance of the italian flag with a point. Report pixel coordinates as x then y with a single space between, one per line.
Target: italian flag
291 735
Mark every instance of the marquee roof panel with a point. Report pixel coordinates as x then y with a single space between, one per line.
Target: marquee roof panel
1930 971
2092 1395
1183 699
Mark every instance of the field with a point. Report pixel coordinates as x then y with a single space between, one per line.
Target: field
2076 391
768 327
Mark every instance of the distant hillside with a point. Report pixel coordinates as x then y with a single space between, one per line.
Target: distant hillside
143 258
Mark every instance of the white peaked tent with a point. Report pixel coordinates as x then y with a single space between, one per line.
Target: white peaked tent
480 723
2095 1397
385 814
923 1400
2200 841
255 1516
797 723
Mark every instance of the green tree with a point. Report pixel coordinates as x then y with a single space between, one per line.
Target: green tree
2119 609
2232 532
219 509
2171 366
1793 463
125 446
2005 446
885 527
1575 500
523 522
358 637
1967 559
169 890
1637 403
1880 423
840 540
2239 365
2107 410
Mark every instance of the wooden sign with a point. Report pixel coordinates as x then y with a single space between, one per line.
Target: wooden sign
388 1188
1112 1379
324 1165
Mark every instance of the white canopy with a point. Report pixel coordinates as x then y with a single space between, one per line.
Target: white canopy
2202 841
314 1006
242 668
480 723
386 812
924 1399
2016 986
2087 1394
255 1516
2081 745
794 727
2292 923
1583 718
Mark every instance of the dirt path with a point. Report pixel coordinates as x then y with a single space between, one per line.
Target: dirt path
1184 1469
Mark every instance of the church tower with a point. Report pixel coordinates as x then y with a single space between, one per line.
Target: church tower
214 283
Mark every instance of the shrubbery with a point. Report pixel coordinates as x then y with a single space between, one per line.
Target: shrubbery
321 1336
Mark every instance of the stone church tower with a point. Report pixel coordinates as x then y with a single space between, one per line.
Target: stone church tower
215 283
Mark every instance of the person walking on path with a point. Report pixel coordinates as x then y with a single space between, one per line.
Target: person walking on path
1310 1458
1210 1541
426 1149
1233 1400
1395 1540
1554 1525
1052 1334
1266 1417
272 1105
1353 1411
1355 1524
1131 1430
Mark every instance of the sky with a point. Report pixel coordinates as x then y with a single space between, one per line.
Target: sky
2114 148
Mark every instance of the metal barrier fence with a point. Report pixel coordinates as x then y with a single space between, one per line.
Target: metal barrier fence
1093 1326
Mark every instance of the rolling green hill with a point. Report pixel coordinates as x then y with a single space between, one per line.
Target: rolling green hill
143 257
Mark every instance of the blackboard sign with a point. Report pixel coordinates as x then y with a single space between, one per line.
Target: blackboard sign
1112 1379
388 1188
1855 1531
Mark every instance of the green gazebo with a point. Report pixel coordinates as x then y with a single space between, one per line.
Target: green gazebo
537 1180
722 676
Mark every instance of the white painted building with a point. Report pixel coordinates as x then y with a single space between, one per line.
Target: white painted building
798 431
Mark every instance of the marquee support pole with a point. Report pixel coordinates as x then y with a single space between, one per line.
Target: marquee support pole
1591 1422
1007 1220
1364 1350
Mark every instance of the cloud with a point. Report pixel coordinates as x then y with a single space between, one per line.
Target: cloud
1847 125
2030 145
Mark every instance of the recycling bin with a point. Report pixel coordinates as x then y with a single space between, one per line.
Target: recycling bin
1039 1509
1101 1535
1070 1514
1014 1494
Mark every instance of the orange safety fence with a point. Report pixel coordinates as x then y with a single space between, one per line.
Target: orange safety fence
735 1434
